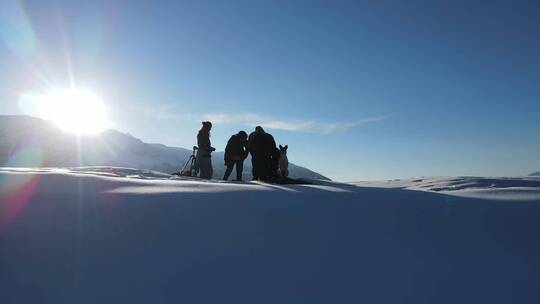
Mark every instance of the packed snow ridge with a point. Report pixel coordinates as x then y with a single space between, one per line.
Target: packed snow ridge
505 188
498 188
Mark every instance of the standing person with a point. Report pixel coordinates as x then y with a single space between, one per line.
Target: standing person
256 151
273 168
235 154
204 159
262 146
273 155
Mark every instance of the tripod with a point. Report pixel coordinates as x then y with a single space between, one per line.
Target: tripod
193 169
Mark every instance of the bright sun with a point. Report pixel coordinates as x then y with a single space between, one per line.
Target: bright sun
75 110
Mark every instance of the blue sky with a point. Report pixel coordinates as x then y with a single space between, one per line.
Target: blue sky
358 90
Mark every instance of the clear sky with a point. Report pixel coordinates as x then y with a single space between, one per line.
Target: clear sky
358 90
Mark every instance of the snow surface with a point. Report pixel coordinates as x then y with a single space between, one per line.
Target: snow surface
495 188
120 235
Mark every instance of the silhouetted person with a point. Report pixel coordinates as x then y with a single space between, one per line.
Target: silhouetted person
283 161
273 170
204 160
254 147
262 147
235 154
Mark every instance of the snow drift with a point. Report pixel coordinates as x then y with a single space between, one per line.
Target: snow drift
119 235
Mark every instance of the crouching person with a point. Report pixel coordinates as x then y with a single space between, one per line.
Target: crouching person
235 154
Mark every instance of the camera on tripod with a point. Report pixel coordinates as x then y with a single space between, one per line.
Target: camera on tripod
193 167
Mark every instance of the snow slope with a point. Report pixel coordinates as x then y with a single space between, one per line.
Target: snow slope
120 235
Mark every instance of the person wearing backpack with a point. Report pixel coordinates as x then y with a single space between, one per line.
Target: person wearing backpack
262 147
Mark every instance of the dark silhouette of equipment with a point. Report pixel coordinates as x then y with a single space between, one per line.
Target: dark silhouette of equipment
192 171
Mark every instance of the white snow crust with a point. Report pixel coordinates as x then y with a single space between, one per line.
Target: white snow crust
121 235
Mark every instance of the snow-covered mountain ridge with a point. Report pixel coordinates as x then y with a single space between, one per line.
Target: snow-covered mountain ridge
32 142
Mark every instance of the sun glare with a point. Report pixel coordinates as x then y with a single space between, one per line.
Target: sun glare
74 110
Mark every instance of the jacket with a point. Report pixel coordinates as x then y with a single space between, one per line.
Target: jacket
236 149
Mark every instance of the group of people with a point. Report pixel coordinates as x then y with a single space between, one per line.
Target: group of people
265 156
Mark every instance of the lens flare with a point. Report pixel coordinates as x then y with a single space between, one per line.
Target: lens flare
16 30
17 190
74 110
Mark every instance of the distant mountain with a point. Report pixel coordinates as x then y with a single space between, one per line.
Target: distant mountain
32 142
535 174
